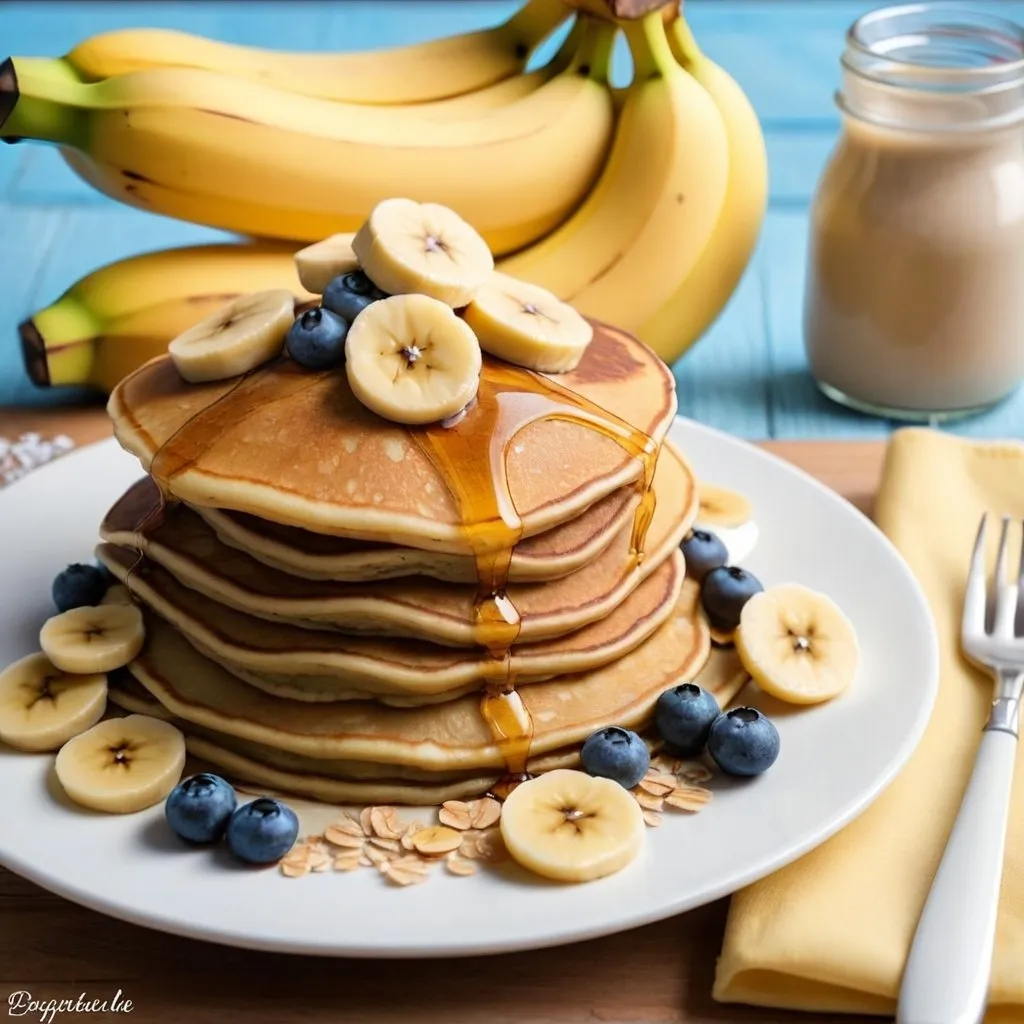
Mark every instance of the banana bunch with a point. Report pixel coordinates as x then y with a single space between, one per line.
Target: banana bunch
640 206
238 154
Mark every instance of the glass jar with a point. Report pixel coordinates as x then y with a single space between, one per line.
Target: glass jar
914 304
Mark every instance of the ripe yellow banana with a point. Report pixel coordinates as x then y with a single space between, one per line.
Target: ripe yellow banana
181 142
704 292
408 74
120 316
641 231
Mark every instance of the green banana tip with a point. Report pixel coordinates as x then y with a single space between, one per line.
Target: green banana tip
33 352
9 91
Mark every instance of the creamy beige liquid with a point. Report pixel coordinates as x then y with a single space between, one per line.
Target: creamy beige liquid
915 289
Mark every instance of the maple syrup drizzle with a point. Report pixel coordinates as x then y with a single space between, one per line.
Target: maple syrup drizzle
470 455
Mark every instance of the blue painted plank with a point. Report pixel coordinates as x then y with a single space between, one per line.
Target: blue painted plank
93 237
796 160
723 381
34 233
53 248
12 167
785 53
44 179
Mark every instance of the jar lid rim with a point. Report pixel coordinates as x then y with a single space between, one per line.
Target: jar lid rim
981 21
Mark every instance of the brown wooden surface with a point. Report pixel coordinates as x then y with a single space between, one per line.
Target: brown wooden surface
660 974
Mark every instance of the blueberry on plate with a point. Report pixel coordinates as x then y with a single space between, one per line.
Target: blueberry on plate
317 339
724 593
683 718
703 552
743 742
262 831
79 585
616 754
199 808
349 294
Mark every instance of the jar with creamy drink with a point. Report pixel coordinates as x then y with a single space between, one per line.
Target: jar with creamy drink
914 307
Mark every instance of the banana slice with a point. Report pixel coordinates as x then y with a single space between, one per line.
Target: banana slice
93 639
122 764
247 332
572 827
407 247
797 644
721 507
410 359
319 264
42 707
527 325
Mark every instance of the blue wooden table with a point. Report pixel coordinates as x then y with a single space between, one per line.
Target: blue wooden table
747 376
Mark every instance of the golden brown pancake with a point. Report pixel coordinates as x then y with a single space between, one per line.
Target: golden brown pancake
185 545
440 737
343 781
546 556
320 665
295 447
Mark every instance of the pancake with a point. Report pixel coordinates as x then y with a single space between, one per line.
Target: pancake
337 782
185 545
296 447
438 737
319 665
547 556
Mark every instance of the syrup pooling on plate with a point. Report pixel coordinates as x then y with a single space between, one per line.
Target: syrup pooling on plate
470 455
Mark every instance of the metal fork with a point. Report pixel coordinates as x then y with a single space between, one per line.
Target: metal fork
947 974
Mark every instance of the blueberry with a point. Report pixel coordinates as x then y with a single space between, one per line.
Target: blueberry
703 552
317 339
743 742
79 585
724 593
199 807
349 294
262 831
616 754
683 717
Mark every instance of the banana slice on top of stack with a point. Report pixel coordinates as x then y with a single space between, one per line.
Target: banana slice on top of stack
407 247
409 303
319 264
247 332
524 324
409 358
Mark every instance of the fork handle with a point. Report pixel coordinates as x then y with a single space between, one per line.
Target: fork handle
950 963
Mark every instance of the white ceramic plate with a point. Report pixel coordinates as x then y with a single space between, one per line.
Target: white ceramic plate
835 758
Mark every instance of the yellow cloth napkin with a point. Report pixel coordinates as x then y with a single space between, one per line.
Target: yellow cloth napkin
831 932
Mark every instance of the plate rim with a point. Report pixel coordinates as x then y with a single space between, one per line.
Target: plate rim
566 934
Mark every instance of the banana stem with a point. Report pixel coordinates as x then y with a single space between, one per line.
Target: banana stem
648 44
534 22
37 104
567 51
684 45
597 42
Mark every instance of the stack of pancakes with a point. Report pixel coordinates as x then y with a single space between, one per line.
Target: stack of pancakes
311 578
